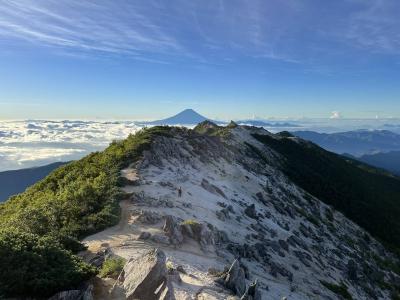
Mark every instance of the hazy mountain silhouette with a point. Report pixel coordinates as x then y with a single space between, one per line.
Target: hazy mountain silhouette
356 143
16 181
389 161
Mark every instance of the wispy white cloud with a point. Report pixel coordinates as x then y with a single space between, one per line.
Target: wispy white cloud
375 26
336 115
213 32
143 30
85 26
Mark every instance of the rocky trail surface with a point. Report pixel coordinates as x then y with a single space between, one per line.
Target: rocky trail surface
239 229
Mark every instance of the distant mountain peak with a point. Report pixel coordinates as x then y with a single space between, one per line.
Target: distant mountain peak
186 117
189 110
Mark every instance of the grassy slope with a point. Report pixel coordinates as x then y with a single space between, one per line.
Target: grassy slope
44 223
366 195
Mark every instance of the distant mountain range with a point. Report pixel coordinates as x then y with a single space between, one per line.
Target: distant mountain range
356 143
261 123
16 181
191 117
389 161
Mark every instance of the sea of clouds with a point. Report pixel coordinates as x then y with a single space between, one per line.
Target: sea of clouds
32 143
25 144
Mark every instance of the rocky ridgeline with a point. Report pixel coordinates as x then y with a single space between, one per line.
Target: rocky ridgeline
239 230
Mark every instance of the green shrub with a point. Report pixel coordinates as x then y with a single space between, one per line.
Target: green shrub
34 265
190 222
169 265
112 267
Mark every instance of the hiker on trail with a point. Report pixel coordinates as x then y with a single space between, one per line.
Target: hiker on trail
180 192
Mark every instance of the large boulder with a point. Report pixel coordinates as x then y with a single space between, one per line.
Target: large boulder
235 279
144 276
199 232
147 217
173 230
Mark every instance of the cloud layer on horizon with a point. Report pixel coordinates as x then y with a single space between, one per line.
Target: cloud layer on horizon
25 144
32 143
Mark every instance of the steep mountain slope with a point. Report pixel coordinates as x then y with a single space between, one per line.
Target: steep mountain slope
291 242
364 194
206 196
356 143
16 181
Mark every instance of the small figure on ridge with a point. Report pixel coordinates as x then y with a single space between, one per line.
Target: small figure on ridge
180 192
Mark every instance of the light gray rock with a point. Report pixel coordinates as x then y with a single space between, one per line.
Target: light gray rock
144 276
147 217
173 230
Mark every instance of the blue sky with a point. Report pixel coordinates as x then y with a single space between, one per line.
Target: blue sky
227 59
